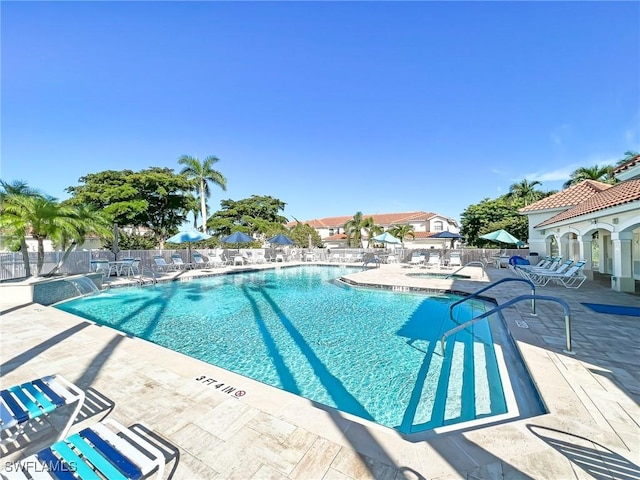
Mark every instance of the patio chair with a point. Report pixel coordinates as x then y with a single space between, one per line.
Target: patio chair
572 278
416 259
161 265
104 267
217 260
34 401
106 450
433 261
130 266
199 261
455 260
552 268
180 264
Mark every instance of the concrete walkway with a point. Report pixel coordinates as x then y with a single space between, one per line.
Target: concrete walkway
591 430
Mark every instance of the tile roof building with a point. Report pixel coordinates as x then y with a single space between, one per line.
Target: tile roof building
595 222
425 224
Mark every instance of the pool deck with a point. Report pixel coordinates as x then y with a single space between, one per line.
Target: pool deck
591 431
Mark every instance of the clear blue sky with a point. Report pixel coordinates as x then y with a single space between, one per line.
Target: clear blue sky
330 107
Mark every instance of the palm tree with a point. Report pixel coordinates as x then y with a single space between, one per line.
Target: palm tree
202 173
42 217
401 231
601 174
371 229
526 191
628 155
353 229
88 221
16 229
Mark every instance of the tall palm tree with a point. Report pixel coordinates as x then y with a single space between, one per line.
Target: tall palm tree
401 231
202 173
353 229
599 173
526 191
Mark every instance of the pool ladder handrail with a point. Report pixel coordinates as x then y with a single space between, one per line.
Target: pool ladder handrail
475 262
498 282
141 278
565 306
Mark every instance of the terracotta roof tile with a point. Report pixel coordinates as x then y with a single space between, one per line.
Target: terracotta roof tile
337 236
378 218
632 162
569 197
619 194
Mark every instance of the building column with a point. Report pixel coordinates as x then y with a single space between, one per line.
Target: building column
622 279
565 248
586 254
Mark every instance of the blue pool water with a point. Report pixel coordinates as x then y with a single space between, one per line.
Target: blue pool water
372 353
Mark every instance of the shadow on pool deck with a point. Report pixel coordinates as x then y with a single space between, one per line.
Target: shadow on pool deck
591 397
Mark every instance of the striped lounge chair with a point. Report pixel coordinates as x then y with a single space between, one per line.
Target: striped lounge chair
34 401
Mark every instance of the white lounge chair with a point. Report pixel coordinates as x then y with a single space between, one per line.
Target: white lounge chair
455 259
572 278
416 259
161 264
433 261
130 266
179 263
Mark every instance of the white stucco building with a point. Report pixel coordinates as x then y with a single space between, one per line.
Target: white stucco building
425 225
595 222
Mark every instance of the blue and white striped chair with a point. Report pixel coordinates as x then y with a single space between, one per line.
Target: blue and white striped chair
106 450
33 401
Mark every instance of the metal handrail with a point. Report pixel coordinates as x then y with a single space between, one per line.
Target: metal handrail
475 262
502 280
565 306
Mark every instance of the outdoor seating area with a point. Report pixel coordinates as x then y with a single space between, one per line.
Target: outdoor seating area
106 450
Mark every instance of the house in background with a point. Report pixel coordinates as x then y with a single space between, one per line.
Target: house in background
595 222
425 225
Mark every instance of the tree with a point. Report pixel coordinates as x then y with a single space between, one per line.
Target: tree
526 191
475 219
353 229
300 235
402 231
201 173
628 155
371 229
88 221
598 173
155 198
41 217
14 226
256 214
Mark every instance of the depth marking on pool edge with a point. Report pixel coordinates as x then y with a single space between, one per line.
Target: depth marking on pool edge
218 385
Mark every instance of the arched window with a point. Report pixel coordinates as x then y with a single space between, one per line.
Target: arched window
438 226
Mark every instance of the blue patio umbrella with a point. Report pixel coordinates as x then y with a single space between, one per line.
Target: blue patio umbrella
386 237
448 236
281 240
238 237
188 236
502 236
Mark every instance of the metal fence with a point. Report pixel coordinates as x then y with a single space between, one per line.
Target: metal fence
12 264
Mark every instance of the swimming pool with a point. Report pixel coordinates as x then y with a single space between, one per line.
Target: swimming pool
370 353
